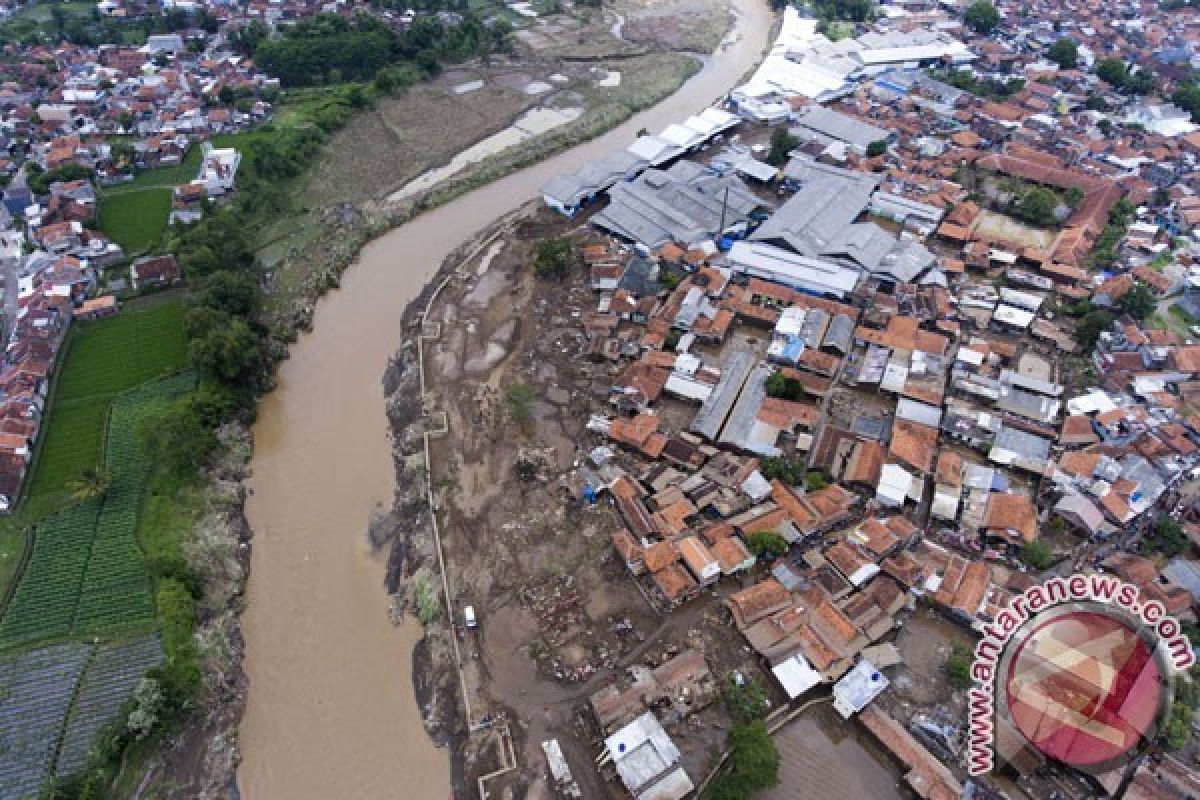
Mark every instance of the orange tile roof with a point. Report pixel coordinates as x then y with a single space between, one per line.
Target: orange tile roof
752 604
1009 514
914 444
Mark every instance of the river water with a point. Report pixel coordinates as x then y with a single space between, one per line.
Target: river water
330 711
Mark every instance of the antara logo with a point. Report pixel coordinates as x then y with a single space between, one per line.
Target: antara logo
1080 669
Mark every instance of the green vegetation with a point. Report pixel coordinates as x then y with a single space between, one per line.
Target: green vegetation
135 219
428 605
958 668
753 764
790 471
161 177
785 387
981 17
81 23
1187 97
1139 302
767 543
1090 327
518 402
1179 311
86 574
747 700
1168 538
1178 728
92 484
103 359
330 49
782 143
1104 251
815 481
990 88
876 148
553 257
1125 78
1037 554
1037 207
39 180
1064 52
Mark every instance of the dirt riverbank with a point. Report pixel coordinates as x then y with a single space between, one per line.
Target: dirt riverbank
559 617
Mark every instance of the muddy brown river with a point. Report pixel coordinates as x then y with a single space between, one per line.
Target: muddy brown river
331 712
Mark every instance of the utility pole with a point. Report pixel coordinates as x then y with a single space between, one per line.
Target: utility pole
724 206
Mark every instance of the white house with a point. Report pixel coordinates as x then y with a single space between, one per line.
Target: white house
218 170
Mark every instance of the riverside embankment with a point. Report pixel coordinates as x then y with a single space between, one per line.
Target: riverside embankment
330 711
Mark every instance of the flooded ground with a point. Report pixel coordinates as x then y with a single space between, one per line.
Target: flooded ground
828 758
330 711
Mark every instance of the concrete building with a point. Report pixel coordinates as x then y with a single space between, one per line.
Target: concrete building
648 761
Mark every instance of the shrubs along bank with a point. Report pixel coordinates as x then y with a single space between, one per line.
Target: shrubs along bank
330 49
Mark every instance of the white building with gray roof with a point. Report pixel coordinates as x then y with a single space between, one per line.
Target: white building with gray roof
824 125
686 204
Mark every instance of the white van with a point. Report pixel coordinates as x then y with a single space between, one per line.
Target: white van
469 616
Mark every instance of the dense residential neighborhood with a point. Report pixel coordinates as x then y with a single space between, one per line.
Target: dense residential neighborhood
841 368
914 318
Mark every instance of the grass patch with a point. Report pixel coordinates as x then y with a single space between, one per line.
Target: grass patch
103 359
86 574
428 607
169 177
1182 315
135 219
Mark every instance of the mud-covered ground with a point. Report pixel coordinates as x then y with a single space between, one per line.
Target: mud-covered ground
559 617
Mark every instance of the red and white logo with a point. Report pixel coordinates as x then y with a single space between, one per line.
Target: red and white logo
1083 685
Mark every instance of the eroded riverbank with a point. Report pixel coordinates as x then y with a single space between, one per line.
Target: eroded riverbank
331 711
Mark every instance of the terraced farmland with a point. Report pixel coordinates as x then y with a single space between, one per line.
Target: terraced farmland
44 604
108 683
106 357
35 693
87 574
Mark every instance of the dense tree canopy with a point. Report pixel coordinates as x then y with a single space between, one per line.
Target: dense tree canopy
553 257
843 10
1125 78
327 48
981 17
1187 97
1091 326
1139 302
766 543
782 143
1037 207
1065 53
314 48
1037 554
785 387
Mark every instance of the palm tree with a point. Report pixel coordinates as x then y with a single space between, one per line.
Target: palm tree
92 484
